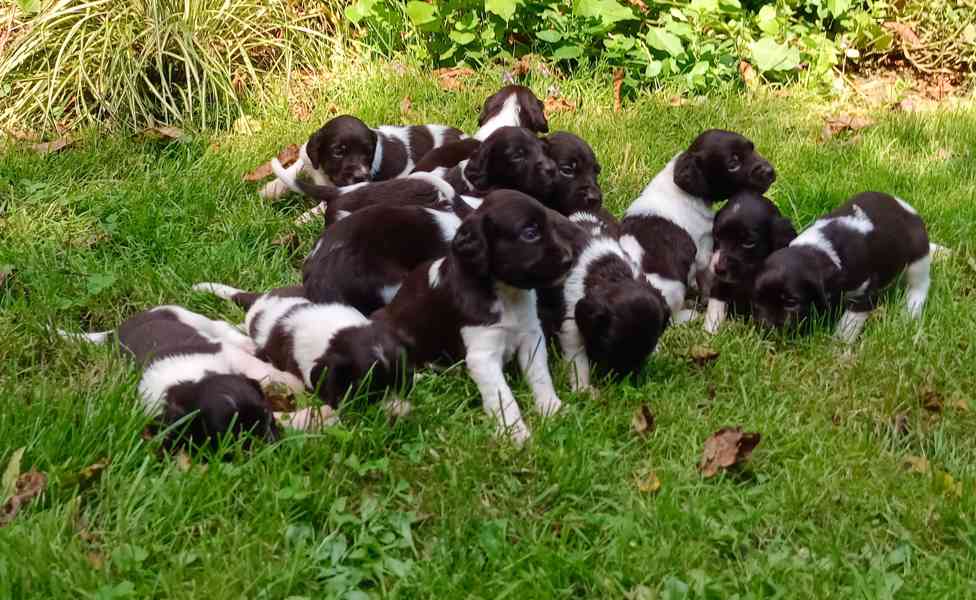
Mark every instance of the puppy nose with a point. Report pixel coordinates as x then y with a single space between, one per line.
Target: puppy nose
547 167
359 177
593 198
765 172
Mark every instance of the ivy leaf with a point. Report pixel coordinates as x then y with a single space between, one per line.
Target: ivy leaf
567 52
421 13
608 11
503 8
461 38
653 69
766 19
767 55
665 41
549 35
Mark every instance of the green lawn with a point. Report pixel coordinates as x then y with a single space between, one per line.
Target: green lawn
435 506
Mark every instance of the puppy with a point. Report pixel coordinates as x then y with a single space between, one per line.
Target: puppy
332 348
575 187
510 158
668 229
747 230
606 313
478 303
846 259
346 151
362 259
200 367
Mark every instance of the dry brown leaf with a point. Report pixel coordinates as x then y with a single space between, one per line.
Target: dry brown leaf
28 486
917 464
96 560
555 104
961 404
702 355
49 147
727 447
844 123
167 132
643 422
183 461
452 79
289 240
286 157
6 273
639 5
900 424
300 109
648 483
279 396
677 101
904 32
618 82
406 106
932 400
748 74
23 136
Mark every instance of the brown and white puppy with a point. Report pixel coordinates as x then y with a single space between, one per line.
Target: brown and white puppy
747 230
362 259
845 259
510 158
478 303
346 151
333 348
668 229
198 368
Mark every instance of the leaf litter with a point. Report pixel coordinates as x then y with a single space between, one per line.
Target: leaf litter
286 157
19 488
643 422
727 447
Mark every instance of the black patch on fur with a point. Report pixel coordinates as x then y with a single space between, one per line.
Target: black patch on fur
512 158
668 249
720 163
447 156
575 187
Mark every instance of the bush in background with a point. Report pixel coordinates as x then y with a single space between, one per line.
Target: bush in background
136 63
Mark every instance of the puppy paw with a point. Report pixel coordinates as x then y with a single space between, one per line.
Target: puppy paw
548 405
517 433
309 419
684 316
397 408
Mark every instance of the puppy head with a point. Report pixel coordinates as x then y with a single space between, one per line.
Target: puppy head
621 325
514 239
343 149
575 187
368 360
747 230
513 158
788 289
219 405
720 163
531 110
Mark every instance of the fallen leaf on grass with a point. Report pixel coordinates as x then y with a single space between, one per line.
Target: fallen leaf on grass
917 464
23 136
166 132
288 240
639 5
49 147
904 32
85 477
555 104
648 483
183 461
452 79
406 106
915 104
677 101
845 123
900 424
618 83
727 447
279 396
643 421
702 355
932 400
96 560
27 487
285 157
960 404
748 74
299 109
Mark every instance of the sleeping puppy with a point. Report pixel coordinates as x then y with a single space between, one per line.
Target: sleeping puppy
846 259
511 106
332 348
606 313
346 151
668 229
747 230
200 367
362 259
478 303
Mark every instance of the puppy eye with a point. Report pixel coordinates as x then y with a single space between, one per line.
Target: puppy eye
568 169
338 151
518 154
749 245
735 163
530 233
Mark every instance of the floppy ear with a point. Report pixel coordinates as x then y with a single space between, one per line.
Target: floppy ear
688 175
476 169
492 105
315 147
470 245
592 317
781 233
818 293
533 116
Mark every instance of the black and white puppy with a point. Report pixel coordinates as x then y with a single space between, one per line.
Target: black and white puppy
747 230
346 151
668 229
846 259
200 367
332 348
510 158
362 259
606 313
575 187
478 303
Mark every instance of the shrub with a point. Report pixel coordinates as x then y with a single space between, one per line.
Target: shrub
139 62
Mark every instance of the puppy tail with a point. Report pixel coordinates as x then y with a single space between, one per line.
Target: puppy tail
97 337
445 189
239 297
288 176
936 251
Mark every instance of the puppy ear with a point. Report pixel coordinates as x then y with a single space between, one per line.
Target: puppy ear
592 317
315 148
781 233
534 116
492 105
688 175
471 246
476 171
818 292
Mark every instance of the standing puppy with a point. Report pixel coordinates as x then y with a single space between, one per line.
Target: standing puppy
332 348
345 151
668 229
846 259
195 365
747 230
478 303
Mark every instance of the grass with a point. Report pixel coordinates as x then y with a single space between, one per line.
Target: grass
434 506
